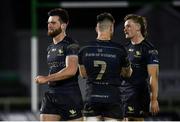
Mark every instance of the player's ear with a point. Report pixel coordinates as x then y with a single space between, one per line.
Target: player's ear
111 27
63 26
138 26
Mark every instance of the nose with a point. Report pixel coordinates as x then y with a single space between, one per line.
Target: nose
49 26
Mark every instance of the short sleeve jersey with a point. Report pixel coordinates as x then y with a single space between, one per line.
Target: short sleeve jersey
141 55
56 59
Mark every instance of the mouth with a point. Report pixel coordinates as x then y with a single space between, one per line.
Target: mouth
126 33
50 30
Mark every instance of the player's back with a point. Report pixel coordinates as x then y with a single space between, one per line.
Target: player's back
103 61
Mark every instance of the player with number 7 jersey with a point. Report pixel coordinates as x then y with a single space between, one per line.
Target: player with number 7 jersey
102 62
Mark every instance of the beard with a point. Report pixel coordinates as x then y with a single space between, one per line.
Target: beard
54 33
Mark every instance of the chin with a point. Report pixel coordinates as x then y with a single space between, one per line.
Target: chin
127 37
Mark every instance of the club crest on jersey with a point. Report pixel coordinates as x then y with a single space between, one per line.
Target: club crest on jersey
137 54
72 113
60 51
130 109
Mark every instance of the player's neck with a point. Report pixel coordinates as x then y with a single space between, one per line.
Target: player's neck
104 36
59 38
137 39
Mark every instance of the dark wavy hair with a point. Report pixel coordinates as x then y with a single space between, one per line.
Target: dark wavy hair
62 13
138 19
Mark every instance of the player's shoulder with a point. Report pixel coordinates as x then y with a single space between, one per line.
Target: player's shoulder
117 45
88 45
148 45
69 40
127 43
149 48
71 43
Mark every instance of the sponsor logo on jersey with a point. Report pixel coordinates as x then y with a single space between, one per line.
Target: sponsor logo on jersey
154 52
53 50
131 50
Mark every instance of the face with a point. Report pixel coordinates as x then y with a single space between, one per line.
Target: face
54 26
131 29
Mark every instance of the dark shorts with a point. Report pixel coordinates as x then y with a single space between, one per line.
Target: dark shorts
111 110
68 106
135 101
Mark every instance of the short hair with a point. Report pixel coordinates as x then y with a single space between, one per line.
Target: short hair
105 20
62 13
105 16
140 20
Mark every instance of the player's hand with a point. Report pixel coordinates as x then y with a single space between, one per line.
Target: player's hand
154 107
41 79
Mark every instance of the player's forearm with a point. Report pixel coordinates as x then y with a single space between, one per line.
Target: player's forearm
153 71
126 72
83 75
82 71
154 88
63 74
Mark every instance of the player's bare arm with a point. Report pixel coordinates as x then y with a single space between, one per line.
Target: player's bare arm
153 71
126 71
69 71
82 71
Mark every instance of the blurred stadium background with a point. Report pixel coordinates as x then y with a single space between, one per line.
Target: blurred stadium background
23 57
